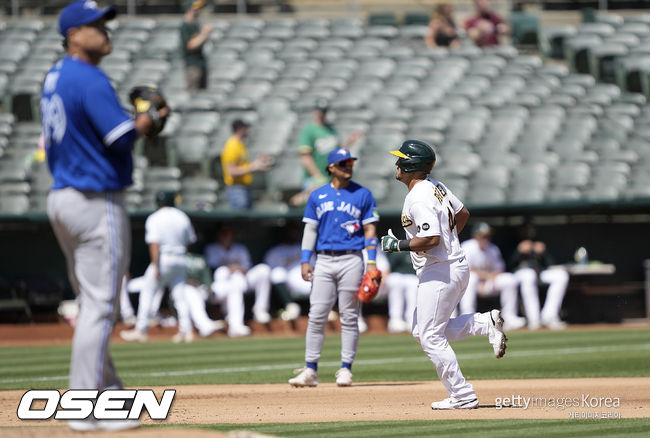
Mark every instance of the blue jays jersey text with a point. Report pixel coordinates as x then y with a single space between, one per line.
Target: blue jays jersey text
82 118
340 215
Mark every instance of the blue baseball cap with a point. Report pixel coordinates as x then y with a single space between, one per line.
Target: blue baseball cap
340 154
83 12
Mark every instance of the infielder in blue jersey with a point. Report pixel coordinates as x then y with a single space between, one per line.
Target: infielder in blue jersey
89 138
339 223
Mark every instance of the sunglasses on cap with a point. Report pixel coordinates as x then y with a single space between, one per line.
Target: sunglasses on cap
345 163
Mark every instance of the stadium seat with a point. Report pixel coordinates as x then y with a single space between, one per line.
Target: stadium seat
602 60
576 51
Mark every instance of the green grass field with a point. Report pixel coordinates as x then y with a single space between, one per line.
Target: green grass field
597 353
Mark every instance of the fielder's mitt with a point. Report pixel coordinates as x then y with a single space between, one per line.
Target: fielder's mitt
149 100
369 286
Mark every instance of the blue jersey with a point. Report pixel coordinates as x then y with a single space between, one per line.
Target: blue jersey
340 215
82 119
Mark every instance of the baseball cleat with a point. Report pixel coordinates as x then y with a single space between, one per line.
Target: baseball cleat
214 326
239 331
554 323
513 323
305 377
363 326
261 316
291 313
495 333
397 326
182 337
451 403
344 377
134 335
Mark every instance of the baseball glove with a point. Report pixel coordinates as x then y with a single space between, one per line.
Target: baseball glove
369 286
149 100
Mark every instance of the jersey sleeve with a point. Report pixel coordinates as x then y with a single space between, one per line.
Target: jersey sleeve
151 231
455 203
310 216
369 214
426 219
105 111
306 141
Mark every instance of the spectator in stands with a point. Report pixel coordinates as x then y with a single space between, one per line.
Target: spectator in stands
530 263
233 276
193 37
317 140
237 170
485 26
442 28
488 277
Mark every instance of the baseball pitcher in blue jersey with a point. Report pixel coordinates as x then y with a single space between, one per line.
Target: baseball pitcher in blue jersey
89 138
339 223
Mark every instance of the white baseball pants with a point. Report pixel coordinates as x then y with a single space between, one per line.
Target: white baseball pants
292 277
557 279
505 284
230 287
401 291
441 288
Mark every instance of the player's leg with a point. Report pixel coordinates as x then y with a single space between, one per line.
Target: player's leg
259 279
195 297
558 281
230 286
149 287
395 289
436 302
468 300
177 288
322 299
411 286
350 270
99 227
527 278
508 286
127 313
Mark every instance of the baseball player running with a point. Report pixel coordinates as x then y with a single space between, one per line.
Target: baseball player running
88 141
168 232
432 217
339 223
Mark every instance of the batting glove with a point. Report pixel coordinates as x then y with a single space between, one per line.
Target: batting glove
390 243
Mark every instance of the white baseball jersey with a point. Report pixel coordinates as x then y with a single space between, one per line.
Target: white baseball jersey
429 210
286 255
171 229
217 255
489 260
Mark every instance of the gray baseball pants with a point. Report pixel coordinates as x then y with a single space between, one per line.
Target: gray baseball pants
94 233
334 277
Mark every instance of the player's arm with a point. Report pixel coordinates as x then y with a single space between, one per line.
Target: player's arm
309 237
371 242
154 254
461 219
198 39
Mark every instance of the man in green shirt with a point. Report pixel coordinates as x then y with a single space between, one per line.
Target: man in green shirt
193 37
317 140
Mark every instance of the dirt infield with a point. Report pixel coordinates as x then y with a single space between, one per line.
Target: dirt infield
210 404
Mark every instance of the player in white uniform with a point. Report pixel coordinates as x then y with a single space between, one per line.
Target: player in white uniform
168 232
488 277
530 263
286 277
432 217
233 276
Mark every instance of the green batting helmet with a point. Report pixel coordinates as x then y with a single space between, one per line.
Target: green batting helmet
415 156
165 198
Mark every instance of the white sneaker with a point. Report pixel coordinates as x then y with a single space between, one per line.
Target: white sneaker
91 424
261 316
214 326
511 323
134 335
554 323
363 327
451 403
129 321
291 313
332 316
183 337
344 377
239 331
495 333
305 377
397 326
115 425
